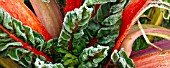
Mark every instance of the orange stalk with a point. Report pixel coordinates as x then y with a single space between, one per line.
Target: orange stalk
71 5
18 10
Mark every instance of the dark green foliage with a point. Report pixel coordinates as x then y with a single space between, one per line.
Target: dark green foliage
139 44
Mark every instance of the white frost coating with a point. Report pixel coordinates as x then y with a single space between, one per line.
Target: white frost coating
79 13
163 5
11 44
92 51
90 10
41 64
72 18
38 61
104 47
14 55
114 52
46 1
123 62
122 49
92 2
120 58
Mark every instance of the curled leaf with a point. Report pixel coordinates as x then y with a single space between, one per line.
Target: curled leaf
120 59
78 17
97 53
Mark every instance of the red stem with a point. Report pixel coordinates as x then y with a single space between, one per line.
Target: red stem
92 41
130 15
95 39
70 43
95 10
18 10
129 18
71 5
26 45
71 40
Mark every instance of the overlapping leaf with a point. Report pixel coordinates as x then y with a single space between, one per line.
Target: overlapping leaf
120 60
20 42
87 29
97 54
79 40
79 31
79 18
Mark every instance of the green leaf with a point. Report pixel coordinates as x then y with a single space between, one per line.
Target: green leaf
5 46
70 60
78 31
61 2
77 25
20 42
139 44
108 23
41 64
120 60
79 16
104 26
97 53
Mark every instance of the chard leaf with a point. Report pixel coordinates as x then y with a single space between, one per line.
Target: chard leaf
96 53
41 64
120 60
80 31
107 23
21 43
78 17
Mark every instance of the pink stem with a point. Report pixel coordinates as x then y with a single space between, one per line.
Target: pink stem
134 34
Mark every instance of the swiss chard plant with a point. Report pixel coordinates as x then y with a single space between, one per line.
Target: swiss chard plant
93 33
83 42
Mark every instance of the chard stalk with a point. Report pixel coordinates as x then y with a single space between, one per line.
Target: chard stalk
154 60
49 15
134 33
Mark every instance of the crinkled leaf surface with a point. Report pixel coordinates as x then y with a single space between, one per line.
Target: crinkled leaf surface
121 60
96 53
41 64
84 41
21 43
